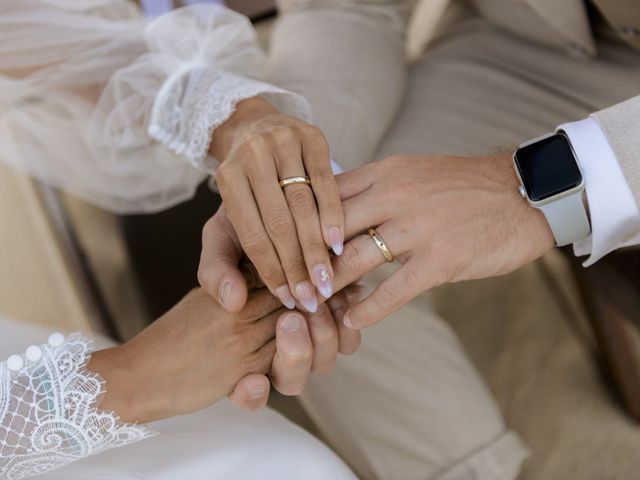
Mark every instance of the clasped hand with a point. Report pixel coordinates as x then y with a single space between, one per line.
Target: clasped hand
446 219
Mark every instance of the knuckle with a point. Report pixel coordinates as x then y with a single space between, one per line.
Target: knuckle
298 356
205 277
279 223
388 295
255 144
322 176
224 175
254 241
283 135
300 200
312 131
315 245
270 274
296 265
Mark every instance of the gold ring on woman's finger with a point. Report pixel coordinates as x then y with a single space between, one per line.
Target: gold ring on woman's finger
295 181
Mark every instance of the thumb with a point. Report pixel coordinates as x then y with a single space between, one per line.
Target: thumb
218 272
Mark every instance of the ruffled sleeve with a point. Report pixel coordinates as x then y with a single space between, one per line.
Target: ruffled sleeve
48 410
121 112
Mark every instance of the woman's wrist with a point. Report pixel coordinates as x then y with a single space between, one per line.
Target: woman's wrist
124 392
247 112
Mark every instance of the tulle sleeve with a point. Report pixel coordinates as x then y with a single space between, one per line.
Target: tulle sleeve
48 410
95 100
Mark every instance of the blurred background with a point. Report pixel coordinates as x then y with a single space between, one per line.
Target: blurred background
71 266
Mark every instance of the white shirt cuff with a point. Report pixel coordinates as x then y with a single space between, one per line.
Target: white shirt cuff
615 218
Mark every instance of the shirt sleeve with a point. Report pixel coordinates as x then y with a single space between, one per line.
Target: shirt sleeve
615 218
48 410
99 102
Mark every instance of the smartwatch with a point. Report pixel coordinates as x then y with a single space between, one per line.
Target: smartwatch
551 180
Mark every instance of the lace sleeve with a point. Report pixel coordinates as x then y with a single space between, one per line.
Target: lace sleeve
99 102
48 414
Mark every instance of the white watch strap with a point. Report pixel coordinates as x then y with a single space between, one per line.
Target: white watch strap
568 219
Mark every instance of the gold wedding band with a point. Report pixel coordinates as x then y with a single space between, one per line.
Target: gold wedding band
295 181
381 245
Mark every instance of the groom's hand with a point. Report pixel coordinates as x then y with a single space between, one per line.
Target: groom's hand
305 344
445 219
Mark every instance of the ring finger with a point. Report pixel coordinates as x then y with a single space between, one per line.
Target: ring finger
281 229
362 255
303 207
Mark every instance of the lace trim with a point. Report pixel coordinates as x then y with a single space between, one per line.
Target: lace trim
48 414
197 99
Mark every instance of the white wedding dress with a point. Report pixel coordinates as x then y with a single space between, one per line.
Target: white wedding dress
98 101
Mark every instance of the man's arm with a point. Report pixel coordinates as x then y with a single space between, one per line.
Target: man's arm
347 58
607 145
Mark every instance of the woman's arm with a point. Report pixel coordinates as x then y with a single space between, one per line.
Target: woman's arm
48 409
60 403
95 101
98 102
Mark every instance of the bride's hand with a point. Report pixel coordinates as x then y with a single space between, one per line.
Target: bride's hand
285 231
219 266
198 353
193 356
445 219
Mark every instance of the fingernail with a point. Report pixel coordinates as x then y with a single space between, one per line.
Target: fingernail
347 320
284 294
336 240
225 293
305 293
291 323
257 391
322 280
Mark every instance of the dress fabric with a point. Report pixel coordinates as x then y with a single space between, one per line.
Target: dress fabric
48 414
50 427
118 109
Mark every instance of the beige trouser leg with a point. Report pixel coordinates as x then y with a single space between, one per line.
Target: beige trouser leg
409 405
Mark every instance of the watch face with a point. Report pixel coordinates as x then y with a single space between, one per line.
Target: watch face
548 167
